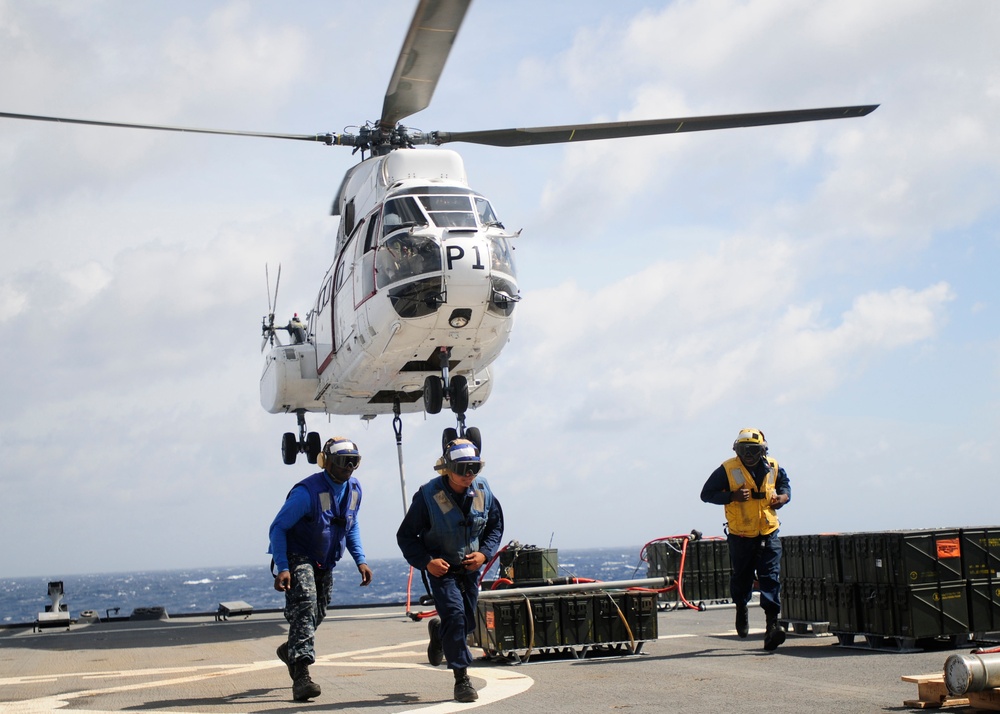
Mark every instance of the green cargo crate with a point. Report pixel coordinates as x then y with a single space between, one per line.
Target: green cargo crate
923 557
521 564
931 610
545 620
576 614
984 606
848 608
848 558
981 553
609 622
829 556
502 625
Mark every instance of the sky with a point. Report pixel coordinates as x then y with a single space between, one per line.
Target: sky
828 283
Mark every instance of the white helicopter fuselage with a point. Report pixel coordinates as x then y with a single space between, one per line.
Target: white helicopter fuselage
422 266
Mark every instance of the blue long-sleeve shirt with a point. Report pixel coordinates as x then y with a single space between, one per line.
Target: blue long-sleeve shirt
296 507
716 488
417 521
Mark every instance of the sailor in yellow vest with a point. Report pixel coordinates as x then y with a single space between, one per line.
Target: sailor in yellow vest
752 487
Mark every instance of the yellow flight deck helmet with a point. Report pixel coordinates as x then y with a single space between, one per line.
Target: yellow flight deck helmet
750 436
750 446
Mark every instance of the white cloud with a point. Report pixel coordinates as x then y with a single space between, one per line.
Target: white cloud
800 278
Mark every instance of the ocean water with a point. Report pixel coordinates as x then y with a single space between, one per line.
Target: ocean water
201 590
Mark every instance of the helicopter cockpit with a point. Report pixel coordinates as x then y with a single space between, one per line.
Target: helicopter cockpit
405 255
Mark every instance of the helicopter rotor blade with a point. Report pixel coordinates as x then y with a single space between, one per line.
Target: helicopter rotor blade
323 138
277 284
624 129
267 278
421 60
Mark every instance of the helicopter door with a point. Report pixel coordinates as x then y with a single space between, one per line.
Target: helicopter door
343 294
323 321
364 263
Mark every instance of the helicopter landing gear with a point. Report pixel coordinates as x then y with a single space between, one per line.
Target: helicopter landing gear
472 434
433 394
454 389
458 394
308 444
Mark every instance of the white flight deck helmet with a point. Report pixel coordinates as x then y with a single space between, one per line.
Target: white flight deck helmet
460 456
341 454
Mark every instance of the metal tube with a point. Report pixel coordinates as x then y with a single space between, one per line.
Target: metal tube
971 673
652 583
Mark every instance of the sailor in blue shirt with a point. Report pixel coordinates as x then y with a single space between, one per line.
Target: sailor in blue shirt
317 522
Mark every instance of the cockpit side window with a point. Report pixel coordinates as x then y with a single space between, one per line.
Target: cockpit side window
501 256
486 215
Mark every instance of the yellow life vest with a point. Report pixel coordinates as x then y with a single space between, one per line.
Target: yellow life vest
754 517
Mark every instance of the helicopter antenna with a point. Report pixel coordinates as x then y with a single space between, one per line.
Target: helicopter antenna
267 323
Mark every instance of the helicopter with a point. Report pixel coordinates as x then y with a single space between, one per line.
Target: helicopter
420 296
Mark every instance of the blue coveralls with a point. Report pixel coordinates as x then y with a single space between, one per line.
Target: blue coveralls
456 594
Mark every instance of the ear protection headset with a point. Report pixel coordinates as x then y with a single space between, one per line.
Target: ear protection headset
339 452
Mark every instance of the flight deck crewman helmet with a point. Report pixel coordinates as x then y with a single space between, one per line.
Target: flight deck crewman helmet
340 453
750 446
462 457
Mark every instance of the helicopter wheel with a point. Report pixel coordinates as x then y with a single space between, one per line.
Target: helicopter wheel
473 434
313 447
289 448
458 394
433 394
448 436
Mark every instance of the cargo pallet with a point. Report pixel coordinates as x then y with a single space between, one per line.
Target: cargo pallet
514 629
888 643
520 656
805 627
933 694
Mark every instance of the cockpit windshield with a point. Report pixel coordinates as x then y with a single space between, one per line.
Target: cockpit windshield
401 213
441 206
404 255
450 211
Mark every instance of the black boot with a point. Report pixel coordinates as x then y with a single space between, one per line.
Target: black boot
775 633
464 691
435 653
742 621
282 653
303 688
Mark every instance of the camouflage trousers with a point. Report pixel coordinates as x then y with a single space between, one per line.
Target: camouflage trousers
305 606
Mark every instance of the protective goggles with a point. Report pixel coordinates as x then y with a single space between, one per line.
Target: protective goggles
466 468
345 461
749 450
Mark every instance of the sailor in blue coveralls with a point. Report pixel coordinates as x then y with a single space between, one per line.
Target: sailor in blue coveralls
752 487
453 526
308 536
